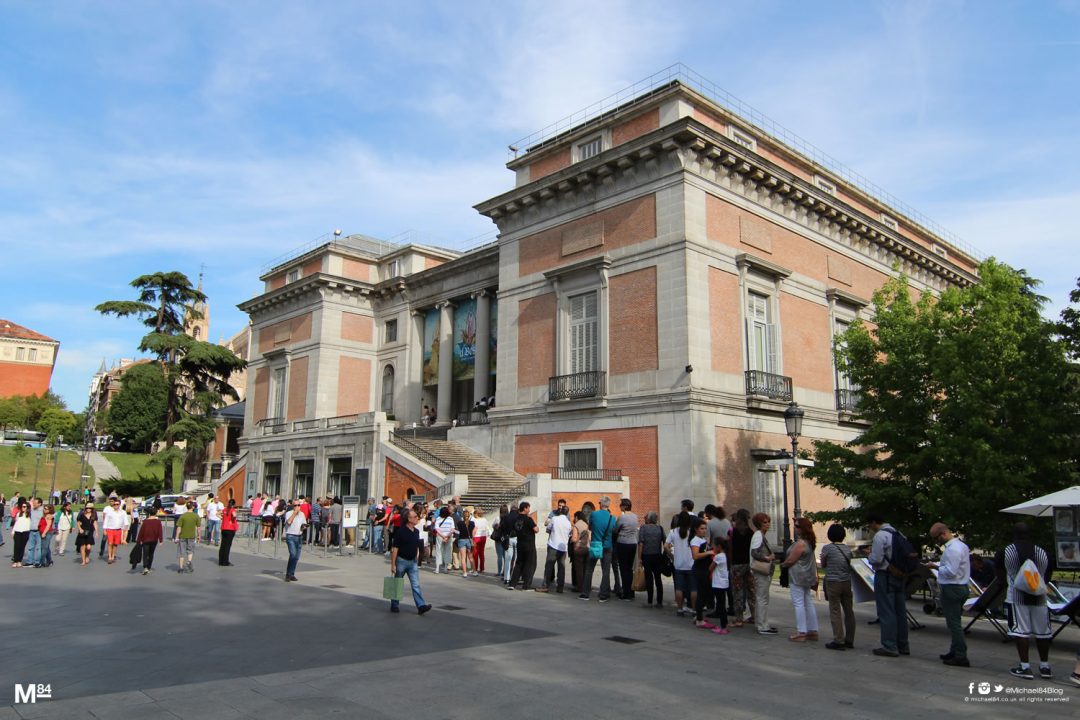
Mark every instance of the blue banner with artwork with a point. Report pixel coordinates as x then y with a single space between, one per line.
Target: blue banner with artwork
465 340
431 348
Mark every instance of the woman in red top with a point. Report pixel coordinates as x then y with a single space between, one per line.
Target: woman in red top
229 526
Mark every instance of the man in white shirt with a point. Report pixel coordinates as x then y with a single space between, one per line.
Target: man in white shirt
213 519
113 523
559 532
954 572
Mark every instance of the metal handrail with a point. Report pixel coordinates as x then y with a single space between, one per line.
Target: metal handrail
770 385
686 76
422 454
473 417
847 400
507 496
565 473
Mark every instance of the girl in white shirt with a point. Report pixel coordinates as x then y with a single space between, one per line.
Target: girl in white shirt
720 583
481 531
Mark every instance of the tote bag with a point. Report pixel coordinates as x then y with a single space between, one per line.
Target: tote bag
393 588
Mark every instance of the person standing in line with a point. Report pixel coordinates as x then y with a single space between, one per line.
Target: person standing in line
294 537
702 556
500 540
212 511
229 526
186 536
651 549
508 527
678 544
463 544
953 576
255 517
803 581
526 530
113 521
403 556
626 547
721 581
315 524
889 592
151 534
560 537
47 530
720 538
3 517
65 523
87 527
601 527
836 560
481 531
742 580
1028 614
20 532
445 527
762 552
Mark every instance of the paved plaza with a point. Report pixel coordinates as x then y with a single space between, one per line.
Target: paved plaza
239 642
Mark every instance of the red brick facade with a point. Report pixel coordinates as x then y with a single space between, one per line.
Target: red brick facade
399 481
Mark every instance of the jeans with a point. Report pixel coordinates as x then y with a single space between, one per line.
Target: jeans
377 539
213 531
556 559
653 578
952 604
605 570
33 549
802 598
841 612
46 549
626 553
295 542
761 600
892 611
500 558
508 562
405 567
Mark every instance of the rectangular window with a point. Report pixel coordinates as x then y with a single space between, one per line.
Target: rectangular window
33 354
747 141
767 494
303 478
20 353
277 393
340 472
825 185
889 222
392 269
580 458
590 148
761 335
584 330
939 250
272 473
843 382
391 331
293 275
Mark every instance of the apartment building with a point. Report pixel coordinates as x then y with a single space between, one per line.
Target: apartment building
27 359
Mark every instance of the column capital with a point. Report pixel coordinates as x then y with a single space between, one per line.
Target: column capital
445 305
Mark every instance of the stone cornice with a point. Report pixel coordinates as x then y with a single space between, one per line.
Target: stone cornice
304 291
688 145
842 296
746 260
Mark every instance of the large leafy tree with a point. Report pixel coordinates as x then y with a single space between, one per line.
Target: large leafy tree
56 424
136 416
967 403
196 372
12 413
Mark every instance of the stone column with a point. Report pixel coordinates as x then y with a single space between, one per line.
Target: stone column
482 365
413 383
446 356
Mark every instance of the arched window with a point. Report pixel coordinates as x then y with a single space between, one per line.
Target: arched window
388 389
196 332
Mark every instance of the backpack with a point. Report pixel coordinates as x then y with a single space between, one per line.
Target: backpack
903 560
1029 580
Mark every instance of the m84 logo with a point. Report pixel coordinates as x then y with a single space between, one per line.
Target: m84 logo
32 693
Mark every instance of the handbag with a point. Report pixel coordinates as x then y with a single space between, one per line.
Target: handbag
393 588
596 547
136 554
639 579
667 565
761 567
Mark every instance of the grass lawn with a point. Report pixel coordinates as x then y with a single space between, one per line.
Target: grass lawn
67 472
134 465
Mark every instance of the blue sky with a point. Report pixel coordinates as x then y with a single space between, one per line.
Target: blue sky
138 136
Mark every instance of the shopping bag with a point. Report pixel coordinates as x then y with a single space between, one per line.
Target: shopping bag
136 554
393 588
639 579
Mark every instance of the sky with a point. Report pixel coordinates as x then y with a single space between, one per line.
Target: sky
214 137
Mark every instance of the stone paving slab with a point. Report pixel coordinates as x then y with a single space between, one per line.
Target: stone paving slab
239 642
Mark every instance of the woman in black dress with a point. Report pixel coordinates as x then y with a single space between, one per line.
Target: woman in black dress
84 541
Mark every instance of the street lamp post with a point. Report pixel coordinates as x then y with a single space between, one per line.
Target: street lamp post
37 469
56 461
793 418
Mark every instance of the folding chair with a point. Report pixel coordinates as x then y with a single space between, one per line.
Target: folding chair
992 597
1066 616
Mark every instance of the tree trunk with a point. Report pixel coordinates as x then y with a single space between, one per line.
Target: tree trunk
170 418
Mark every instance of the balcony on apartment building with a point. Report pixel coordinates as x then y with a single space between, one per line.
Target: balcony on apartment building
847 400
768 385
570 473
578 386
277 426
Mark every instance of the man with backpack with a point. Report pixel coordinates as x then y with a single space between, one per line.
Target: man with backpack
893 559
1026 568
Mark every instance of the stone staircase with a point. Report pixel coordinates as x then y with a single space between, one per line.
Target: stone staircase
490 484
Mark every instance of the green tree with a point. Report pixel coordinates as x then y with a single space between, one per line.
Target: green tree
37 405
136 416
12 413
56 423
968 407
196 372
19 450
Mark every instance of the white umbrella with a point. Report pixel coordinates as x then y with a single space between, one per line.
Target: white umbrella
1044 506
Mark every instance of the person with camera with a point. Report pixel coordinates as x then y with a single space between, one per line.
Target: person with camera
295 520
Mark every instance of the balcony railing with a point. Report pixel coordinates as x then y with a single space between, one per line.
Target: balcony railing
577 386
473 417
421 454
563 473
310 424
770 385
342 420
847 400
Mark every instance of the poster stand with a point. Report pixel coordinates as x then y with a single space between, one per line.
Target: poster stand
862 588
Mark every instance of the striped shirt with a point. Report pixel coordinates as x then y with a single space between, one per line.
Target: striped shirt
836 559
1012 563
